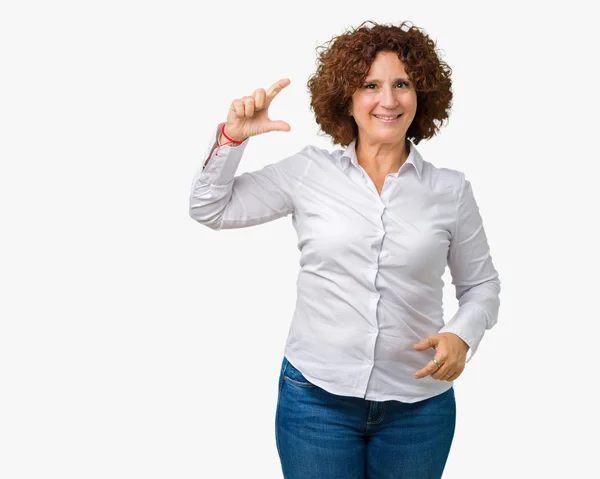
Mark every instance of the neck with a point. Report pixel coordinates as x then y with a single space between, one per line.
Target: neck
381 158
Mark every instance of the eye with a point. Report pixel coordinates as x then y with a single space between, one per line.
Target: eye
372 86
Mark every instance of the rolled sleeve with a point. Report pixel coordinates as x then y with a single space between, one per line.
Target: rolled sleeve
473 274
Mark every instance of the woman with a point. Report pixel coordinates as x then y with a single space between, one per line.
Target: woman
365 388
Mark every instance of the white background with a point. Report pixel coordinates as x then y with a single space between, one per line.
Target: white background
136 343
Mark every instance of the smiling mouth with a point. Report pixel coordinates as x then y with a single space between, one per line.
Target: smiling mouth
387 118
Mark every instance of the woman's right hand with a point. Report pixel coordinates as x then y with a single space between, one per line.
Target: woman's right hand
248 116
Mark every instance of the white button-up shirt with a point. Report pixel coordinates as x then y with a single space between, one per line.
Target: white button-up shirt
371 265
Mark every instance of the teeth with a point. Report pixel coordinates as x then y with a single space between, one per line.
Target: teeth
387 117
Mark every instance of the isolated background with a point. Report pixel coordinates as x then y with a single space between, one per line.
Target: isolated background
136 343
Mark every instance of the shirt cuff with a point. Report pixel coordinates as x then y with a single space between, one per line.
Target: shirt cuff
222 161
469 324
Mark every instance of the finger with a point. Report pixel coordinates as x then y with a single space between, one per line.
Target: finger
441 373
441 370
279 125
452 377
238 107
421 373
424 344
427 370
274 90
259 98
249 106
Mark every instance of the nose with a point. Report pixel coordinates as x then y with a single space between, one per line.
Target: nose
388 99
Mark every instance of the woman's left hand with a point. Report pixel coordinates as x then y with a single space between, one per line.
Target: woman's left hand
450 356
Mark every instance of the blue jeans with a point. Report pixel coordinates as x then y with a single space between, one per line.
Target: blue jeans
321 435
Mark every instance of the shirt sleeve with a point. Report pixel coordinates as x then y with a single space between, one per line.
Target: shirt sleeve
473 274
221 200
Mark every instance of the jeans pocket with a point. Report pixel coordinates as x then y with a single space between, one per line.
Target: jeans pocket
295 377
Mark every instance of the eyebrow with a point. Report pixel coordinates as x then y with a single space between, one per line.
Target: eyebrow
396 80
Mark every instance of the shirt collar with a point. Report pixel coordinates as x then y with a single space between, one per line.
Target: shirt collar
414 158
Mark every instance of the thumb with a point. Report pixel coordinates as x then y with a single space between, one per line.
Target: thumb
279 125
424 344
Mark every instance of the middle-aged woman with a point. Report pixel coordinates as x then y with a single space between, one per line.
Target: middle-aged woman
365 388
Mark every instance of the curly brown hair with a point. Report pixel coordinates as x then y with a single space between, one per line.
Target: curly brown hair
344 62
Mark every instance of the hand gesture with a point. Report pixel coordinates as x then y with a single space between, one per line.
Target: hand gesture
450 356
248 116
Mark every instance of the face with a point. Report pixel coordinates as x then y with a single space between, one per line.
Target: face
386 104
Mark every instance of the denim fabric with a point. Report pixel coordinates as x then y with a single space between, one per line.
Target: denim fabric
321 435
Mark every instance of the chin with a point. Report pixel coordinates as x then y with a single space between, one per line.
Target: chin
392 136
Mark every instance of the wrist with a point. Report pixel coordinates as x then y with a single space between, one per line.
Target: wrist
226 138
223 140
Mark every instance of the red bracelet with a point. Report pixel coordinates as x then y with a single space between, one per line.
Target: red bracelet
230 139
